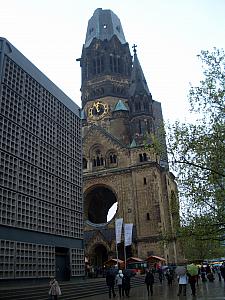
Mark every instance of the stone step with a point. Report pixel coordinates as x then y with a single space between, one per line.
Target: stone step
70 291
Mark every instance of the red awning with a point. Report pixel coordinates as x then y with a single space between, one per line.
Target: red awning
152 257
134 259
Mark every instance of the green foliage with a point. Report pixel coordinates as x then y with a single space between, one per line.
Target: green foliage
198 155
156 141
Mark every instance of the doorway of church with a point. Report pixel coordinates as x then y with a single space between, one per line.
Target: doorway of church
98 257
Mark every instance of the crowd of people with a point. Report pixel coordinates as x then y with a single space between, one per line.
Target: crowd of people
119 278
184 275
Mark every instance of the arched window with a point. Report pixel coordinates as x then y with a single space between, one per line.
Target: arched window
97 159
143 157
112 159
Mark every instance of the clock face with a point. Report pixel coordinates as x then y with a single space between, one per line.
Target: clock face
98 110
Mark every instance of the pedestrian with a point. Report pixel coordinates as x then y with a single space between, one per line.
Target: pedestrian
222 271
217 271
126 283
182 280
110 281
160 274
119 282
149 281
55 290
203 273
169 277
192 281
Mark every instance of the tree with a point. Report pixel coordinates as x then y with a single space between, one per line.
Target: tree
198 154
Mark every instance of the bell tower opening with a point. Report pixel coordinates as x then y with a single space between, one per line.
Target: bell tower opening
100 205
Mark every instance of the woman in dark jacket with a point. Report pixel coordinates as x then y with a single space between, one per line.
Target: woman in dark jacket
149 281
110 281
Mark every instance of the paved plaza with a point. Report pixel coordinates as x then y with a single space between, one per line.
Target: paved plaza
205 291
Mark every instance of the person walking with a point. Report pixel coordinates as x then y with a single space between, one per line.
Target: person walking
110 281
192 281
55 290
119 282
169 277
149 281
182 280
126 284
222 271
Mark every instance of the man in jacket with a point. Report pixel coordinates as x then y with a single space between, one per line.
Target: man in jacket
149 281
110 281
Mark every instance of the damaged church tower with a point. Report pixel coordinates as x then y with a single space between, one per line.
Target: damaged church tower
119 116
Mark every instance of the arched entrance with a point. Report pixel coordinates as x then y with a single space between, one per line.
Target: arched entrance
99 256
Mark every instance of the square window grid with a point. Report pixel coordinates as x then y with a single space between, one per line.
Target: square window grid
27 178
46 261
26 212
77 262
76 171
63 141
9 136
7 207
26 260
10 105
76 198
63 221
8 170
30 118
76 224
76 124
46 217
7 252
62 165
63 116
47 157
33 91
49 104
75 147
46 186
63 193
47 130
13 76
29 145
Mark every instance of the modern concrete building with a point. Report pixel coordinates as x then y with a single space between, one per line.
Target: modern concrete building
119 117
41 212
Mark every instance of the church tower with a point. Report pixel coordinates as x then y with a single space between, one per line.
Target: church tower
119 115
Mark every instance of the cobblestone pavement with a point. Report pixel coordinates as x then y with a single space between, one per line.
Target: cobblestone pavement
204 291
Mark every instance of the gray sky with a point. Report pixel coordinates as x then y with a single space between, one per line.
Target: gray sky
169 35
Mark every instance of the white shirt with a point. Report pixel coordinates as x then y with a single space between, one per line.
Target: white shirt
183 279
119 279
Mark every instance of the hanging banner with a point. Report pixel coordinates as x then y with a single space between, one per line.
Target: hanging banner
128 234
118 228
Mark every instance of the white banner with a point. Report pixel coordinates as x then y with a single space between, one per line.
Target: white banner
128 234
118 228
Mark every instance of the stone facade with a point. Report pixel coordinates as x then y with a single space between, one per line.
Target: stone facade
118 114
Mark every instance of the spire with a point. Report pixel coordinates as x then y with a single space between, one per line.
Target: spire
138 82
103 25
